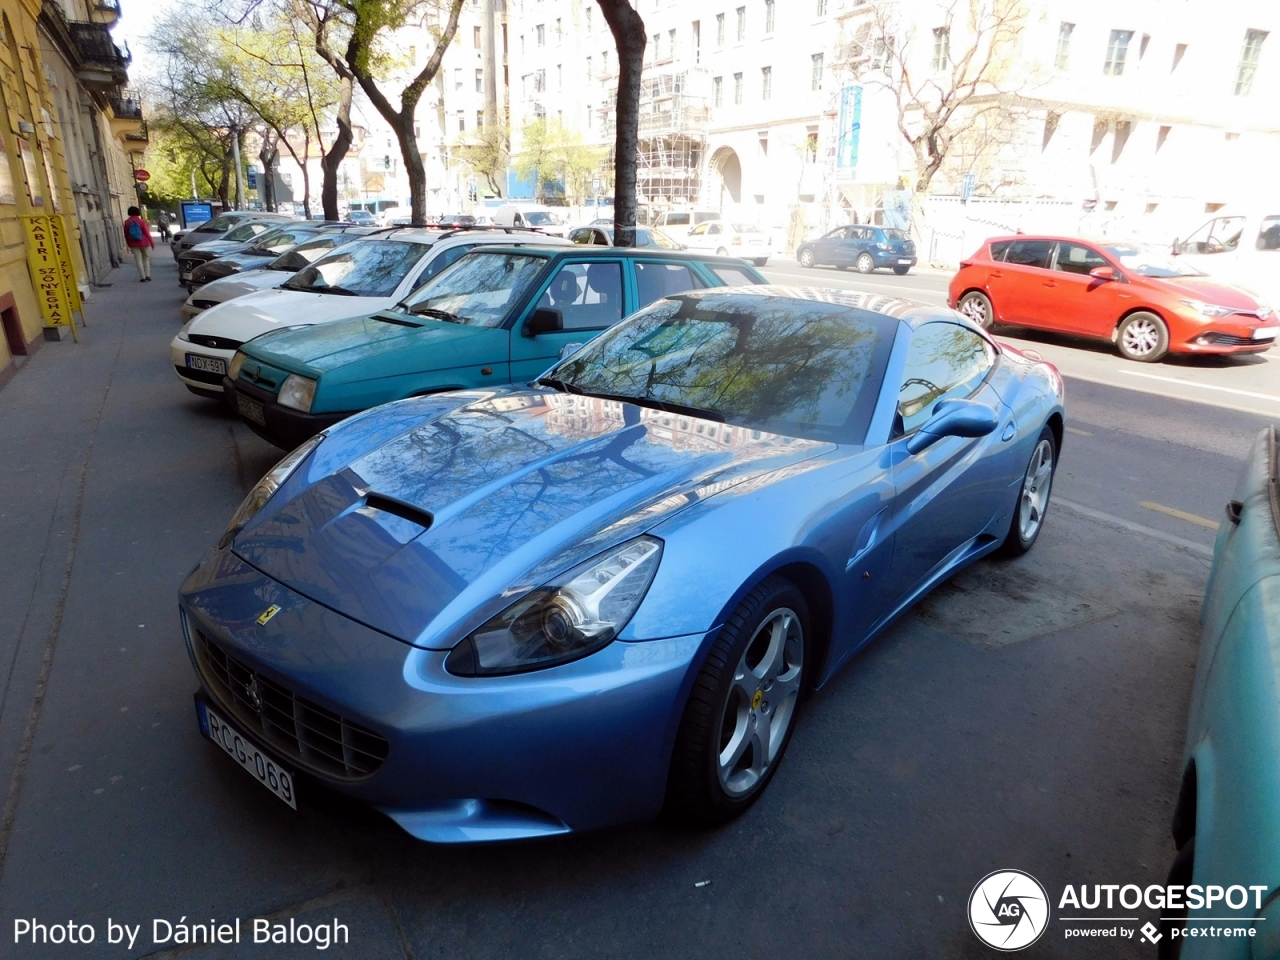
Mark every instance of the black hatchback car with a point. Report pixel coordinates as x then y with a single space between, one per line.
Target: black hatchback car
497 315
861 246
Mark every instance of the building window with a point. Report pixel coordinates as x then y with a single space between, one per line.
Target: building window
815 81
559 32
941 48
479 80
539 81
671 44
1249 61
462 122
1161 136
697 42
811 145
559 77
1179 52
604 62
475 37
766 83
1064 45
589 112
1117 50
742 24
656 46
457 78
822 8
768 16
590 75
588 11
719 29
479 119
737 88
540 34
717 92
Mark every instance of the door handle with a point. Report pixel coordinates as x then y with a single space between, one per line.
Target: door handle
868 537
1010 431
1050 283
995 274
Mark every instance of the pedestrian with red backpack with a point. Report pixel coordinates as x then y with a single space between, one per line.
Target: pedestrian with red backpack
137 236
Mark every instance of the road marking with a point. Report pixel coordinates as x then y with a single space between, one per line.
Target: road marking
1204 386
1079 433
1197 548
1153 390
1180 514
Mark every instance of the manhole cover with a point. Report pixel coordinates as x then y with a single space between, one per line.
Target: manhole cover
995 605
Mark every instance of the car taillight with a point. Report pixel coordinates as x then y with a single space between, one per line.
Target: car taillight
736 241
966 263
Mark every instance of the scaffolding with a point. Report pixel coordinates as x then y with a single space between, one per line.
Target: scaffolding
672 137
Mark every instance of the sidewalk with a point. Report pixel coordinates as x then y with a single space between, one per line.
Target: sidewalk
100 449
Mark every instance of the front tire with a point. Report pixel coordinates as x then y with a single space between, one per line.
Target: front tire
741 711
976 305
805 258
864 263
1143 337
1033 497
722 252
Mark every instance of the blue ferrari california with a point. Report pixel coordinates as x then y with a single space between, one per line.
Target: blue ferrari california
523 611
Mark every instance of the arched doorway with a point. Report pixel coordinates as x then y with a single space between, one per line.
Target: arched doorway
726 179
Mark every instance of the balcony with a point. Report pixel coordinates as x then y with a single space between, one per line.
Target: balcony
104 11
127 122
103 66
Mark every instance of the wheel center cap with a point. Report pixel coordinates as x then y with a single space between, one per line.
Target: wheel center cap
757 700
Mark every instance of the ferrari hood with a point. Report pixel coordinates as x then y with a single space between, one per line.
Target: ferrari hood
431 525
257 313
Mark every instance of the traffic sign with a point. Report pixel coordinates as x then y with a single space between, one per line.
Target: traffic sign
142 176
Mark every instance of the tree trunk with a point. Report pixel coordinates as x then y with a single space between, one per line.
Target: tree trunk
627 28
306 175
413 167
337 153
267 189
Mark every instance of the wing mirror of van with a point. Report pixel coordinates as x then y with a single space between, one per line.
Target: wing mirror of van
1103 273
544 320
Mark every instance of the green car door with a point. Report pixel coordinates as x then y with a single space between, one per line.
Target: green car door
582 299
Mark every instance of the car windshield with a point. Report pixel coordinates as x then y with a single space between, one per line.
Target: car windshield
1150 262
655 238
370 268
303 254
802 368
246 231
278 240
538 218
478 289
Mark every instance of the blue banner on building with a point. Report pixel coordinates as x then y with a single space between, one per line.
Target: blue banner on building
850 132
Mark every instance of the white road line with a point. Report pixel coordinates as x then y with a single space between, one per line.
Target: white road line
1204 386
1153 390
1197 548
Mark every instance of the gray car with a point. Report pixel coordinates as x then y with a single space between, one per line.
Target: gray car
217 228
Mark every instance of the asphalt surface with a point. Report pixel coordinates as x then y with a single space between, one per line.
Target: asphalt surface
1029 714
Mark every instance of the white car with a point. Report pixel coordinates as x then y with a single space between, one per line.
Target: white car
272 275
745 240
358 278
1240 247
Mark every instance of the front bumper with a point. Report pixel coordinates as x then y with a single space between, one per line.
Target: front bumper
203 381
580 746
282 426
1223 336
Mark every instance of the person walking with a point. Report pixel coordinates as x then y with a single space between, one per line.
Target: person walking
137 236
163 222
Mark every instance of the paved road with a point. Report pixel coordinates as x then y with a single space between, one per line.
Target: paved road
1029 714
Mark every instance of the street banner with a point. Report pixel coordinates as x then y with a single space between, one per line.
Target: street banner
46 273
850 132
63 250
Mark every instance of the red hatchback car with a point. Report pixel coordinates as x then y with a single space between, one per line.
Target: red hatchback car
1142 300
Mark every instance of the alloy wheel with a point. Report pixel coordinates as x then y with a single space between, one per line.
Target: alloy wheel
806 258
974 307
1035 490
1141 336
762 702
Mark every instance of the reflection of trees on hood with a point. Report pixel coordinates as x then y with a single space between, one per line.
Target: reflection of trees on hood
789 363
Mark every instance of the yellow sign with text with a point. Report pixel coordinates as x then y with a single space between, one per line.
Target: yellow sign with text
47 272
59 224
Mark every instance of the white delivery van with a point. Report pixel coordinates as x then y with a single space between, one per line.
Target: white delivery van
531 216
1241 248
678 223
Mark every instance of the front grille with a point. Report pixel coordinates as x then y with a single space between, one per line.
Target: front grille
1231 340
200 376
305 731
215 343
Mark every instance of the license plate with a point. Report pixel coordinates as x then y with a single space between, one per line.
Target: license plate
904 261
1265 333
265 769
251 409
207 364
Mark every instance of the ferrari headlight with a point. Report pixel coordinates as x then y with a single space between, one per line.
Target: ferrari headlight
267 486
570 617
1209 309
297 393
237 362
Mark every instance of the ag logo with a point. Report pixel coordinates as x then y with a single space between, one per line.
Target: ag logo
1008 910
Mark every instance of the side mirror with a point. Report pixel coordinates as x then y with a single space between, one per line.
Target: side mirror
1103 273
954 418
544 320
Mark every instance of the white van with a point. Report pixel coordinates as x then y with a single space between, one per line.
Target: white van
1239 248
531 216
678 223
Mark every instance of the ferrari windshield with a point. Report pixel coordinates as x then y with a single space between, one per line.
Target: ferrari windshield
478 290
802 368
369 268
1149 262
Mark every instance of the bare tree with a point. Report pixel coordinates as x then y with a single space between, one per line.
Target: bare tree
629 39
949 79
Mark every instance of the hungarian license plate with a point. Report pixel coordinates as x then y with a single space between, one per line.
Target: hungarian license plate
265 769
251 409
207 364
1265 333
904 260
